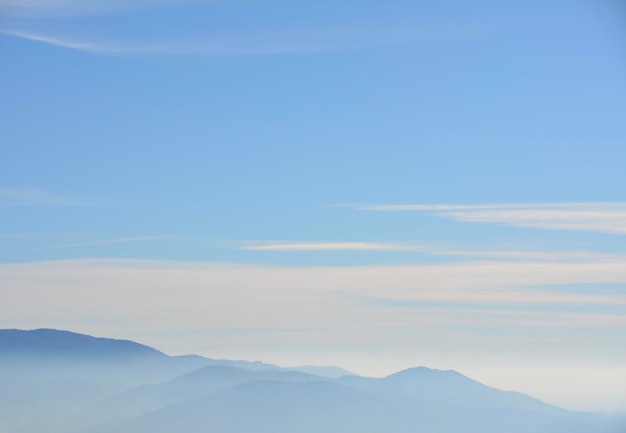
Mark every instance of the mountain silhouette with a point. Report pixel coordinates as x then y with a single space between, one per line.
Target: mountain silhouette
49 344
185 388
326 406
61 382
270 407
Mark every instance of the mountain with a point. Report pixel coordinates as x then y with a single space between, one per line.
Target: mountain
423 385
49 376
52 344
55 374
61 382
185 388
323 371
270 407
273 406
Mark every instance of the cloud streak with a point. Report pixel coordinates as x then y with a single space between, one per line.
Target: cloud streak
217 45
40 197
409 247
328 246
78 7
64 43
235 295
99 243
534 256
228 31
592 217
34 197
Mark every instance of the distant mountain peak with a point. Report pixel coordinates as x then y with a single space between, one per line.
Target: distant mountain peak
102 385
324 371
425 371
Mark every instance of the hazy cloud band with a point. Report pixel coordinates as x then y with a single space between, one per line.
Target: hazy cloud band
593 217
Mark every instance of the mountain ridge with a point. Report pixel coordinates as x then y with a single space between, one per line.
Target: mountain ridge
138 389
54 343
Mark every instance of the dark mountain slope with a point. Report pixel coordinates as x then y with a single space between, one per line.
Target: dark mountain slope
48 375
271 407
312 407
420 384
191 386
51 344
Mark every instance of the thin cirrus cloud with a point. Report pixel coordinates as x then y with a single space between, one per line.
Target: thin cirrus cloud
350 299
481 282
257 28
40 197
77 7
113 241
327 246
286 43
35 197
434 250
535 256
61 42
592 217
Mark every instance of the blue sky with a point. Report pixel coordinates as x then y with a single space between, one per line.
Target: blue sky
452 174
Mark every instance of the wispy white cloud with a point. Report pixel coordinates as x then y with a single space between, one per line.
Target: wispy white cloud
594 217
82 7
536 256
328 246
217 45
113 241
41 197
213 295
65 43
234 37
435 250
34 197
